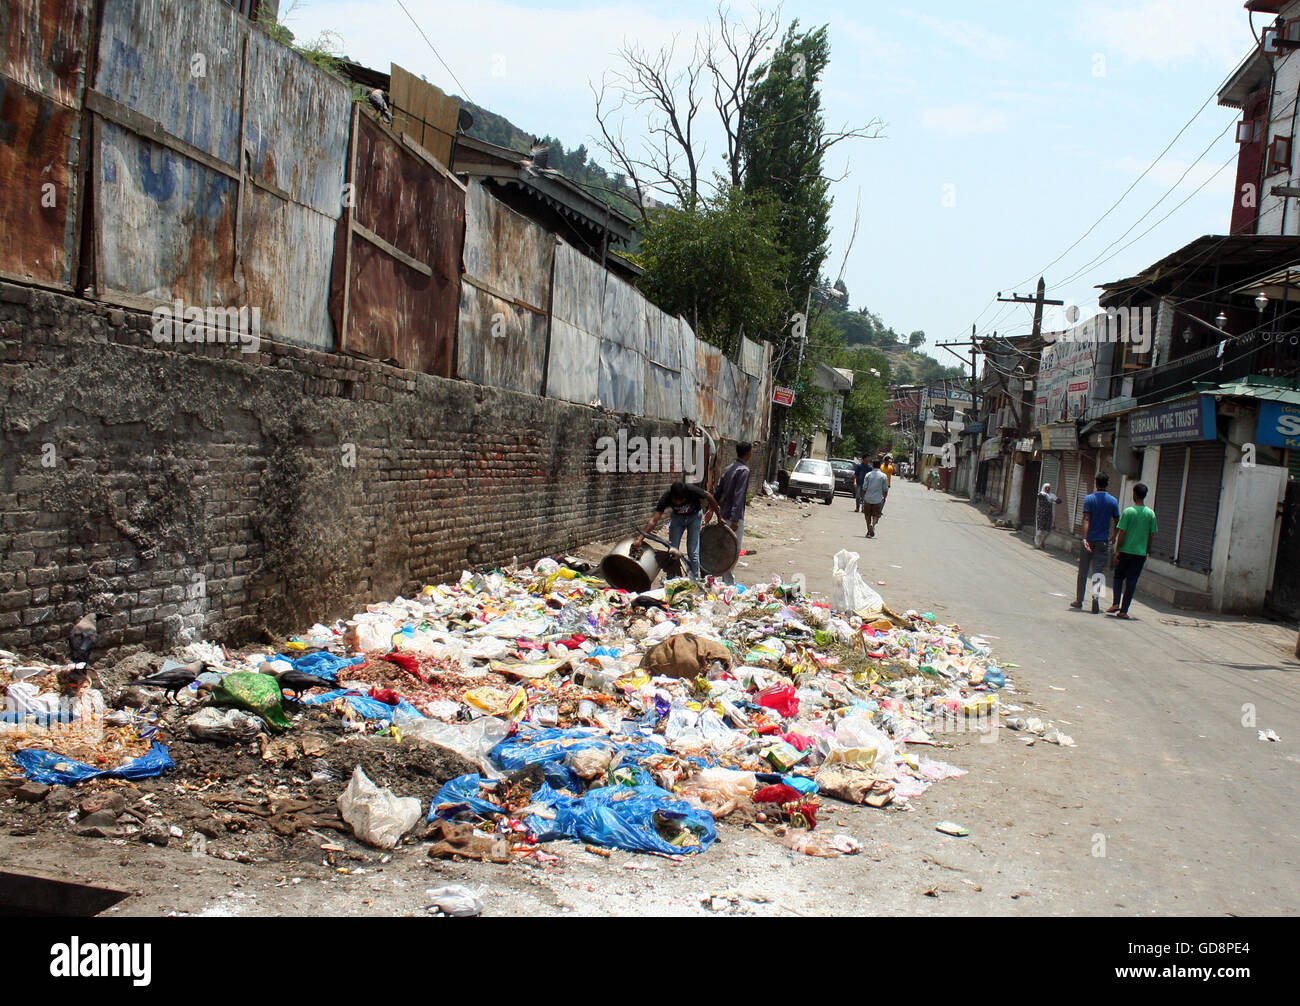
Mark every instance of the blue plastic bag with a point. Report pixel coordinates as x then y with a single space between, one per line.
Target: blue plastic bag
459 795
994 677
55 770
551 748
322 664
623 817
364 705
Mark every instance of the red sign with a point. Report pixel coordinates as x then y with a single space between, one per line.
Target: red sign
783 396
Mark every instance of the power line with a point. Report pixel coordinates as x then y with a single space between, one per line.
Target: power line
435 52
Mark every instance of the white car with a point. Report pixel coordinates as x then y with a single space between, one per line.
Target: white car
812 478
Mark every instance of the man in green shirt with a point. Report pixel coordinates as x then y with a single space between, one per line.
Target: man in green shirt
1137 526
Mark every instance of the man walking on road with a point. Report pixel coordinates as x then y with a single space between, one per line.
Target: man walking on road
875 490
859 473
732 488
1137 526
1100 514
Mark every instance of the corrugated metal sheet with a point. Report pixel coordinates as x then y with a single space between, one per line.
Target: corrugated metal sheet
179 64
577 312
396 311
176 215
708 365
751 357
423 112
296 139
42 75
623 371
504 297
690 395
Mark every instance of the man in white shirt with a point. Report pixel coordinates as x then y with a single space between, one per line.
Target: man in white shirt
875 490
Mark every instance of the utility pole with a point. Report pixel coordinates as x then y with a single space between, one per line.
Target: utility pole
1015 477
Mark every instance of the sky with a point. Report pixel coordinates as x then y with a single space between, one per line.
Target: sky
1010 127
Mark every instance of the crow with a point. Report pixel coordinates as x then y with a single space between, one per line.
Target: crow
380 104
300 681
82 638
173 680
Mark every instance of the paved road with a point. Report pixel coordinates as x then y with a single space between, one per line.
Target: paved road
1194 814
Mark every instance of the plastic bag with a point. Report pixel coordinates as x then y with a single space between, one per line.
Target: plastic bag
460 795
718 790
472 741
780 698
551 749
322 664
258 693
455 901
55 770
849 592
224 726
635 818
854 736
364 706
378 816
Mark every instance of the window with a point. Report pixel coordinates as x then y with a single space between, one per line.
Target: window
810 467
1250 131
938 439
1279 154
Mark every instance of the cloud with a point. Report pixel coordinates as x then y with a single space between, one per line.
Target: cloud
965 119
1166 33
967 35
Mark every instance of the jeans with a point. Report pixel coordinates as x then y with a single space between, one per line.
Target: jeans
691 525
1127 570
1090 563
857 498
730 575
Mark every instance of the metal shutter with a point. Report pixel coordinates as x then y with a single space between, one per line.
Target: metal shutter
1052 472
1072 512
1168 499
1201 507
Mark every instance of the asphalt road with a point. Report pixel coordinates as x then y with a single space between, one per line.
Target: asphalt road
1170 803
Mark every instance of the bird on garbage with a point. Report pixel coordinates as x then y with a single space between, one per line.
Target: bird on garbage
380 104
174 679
83 636
300 681
645 601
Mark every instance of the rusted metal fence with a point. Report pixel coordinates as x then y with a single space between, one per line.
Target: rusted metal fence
223 170
397 256
42 79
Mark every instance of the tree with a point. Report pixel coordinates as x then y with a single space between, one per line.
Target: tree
915 341
719 265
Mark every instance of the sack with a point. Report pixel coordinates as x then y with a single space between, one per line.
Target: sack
849 592
684 655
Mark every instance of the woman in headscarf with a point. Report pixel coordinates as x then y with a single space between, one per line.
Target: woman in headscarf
1044 517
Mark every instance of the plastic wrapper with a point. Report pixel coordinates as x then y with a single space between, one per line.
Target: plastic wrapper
551 750
363 705
224 726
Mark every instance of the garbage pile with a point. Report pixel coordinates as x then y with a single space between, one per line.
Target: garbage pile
527 706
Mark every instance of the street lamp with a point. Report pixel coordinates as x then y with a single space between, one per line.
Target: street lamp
1261 301
1221 320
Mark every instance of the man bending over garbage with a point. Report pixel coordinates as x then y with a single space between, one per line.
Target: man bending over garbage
686 503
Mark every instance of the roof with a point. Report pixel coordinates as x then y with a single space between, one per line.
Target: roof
512 169
1262 388
1208 263
1251 76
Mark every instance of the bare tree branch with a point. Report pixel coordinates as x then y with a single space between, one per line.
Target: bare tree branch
731 58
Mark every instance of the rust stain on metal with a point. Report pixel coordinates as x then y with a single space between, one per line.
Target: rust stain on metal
396 312
42 77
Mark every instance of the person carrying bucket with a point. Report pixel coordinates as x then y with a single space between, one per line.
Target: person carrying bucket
686 503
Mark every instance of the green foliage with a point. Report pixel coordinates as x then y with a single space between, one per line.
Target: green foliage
781 146
916 340
324 51
719 265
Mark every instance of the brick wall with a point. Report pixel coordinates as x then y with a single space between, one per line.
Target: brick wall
196 491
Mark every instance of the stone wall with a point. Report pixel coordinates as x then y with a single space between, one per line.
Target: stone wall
199 492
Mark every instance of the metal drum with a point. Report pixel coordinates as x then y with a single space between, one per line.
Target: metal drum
719 549
627 572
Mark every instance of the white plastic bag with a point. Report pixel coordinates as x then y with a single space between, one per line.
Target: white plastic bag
378 817
849 592
858 734
471 740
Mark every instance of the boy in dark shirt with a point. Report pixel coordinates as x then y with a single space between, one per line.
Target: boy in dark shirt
686 503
